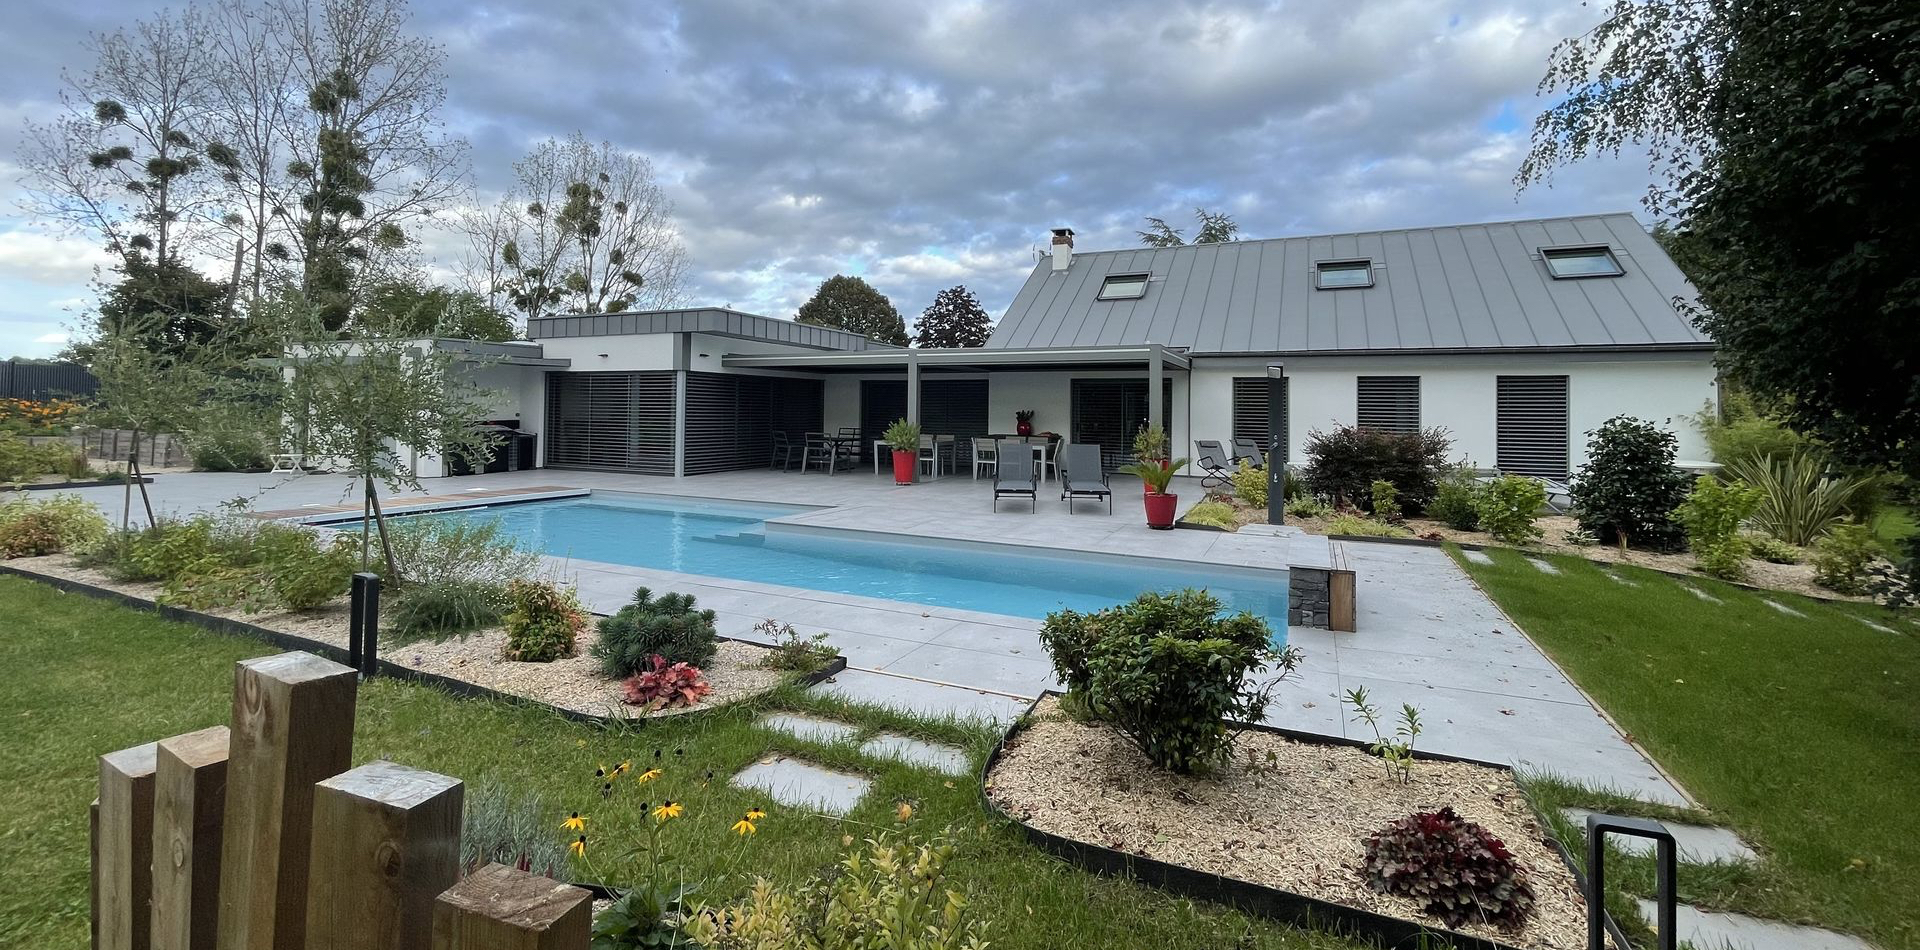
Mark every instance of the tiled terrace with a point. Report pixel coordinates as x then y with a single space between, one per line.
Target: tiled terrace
1426 634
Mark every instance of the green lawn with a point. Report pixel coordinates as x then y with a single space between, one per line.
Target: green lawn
1800 733
83 678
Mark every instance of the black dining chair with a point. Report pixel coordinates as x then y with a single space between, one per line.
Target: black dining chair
782 455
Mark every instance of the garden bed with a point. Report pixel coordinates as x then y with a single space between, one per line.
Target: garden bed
1279 830
573 684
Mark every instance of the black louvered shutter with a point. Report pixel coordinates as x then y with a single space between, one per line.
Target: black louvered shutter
1530 425
731 418
616 421
1250 407
1389 403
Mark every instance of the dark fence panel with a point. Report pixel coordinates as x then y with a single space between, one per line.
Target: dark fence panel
44 380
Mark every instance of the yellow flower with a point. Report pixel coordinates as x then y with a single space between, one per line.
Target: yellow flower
755 814
574 823
648 776
579 847
668 810
744 828
903 812
623 768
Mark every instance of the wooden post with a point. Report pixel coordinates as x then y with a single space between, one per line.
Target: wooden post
388 844
292 726
189 802
500 908
125 863
93 872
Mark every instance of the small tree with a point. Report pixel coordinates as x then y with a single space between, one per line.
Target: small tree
364 398
1627 491
1216 227
955 319
851 304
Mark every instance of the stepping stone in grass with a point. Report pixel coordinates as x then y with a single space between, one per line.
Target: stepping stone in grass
798 783
1880 627
1783 608
1740 932
1703 595
946 759
1542 566
1617 579
810 728
1477 557
1696 843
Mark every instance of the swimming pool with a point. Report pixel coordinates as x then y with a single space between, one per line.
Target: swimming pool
729 539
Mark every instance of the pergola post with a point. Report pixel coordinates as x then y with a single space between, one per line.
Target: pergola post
913 389
1156 374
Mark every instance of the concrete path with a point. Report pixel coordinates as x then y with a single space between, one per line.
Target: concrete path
1708 929
1427 636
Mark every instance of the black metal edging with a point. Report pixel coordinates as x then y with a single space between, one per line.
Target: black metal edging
1258 899
288 641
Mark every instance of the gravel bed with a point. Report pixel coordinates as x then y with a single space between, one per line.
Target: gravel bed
574 683
1284 814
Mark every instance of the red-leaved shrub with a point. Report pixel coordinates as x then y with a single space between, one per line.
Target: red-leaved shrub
663 686
1457 870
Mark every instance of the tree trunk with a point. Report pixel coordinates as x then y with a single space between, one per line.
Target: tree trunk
386 543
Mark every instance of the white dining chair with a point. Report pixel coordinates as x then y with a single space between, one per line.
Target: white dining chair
983 457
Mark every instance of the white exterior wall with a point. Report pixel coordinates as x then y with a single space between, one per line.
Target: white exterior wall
1458 393
624 354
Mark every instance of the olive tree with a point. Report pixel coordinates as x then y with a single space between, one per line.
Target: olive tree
367 401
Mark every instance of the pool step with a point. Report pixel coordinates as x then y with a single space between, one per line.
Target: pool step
750 538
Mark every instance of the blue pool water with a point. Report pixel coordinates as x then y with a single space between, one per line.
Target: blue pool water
728 539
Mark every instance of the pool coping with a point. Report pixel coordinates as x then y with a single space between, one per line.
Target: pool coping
336 515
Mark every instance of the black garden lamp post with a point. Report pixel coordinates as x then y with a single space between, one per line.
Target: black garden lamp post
1276 443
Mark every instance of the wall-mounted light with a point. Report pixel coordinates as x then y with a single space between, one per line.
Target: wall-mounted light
603 356
703 356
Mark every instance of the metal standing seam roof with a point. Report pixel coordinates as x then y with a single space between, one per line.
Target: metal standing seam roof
1465 287
718 321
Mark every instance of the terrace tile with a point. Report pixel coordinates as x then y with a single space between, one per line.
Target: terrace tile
942 758
798 783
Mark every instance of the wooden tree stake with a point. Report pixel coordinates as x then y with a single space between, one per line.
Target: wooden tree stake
189 803
292 726
124 866
386 843
500 908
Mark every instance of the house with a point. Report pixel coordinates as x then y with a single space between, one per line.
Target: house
1516 337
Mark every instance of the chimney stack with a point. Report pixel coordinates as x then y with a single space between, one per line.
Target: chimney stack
1062 248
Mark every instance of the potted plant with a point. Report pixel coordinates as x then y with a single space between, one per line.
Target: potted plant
1150 445
1156 475
903 438
1023 421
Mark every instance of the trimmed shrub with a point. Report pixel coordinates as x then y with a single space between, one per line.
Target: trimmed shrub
1740 433
1168 670
1307 506
791 651
1508 508
667 626
1456 502
1215 514
1773 550
1344 464
1842 560
1250 485
1386 501
30 526
1349 523
1712 515
1457 870
432 551
1627 491
1068 637
227 449
543 621
304 573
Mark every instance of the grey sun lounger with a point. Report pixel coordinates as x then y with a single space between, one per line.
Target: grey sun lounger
1081 475
1015 475
1251 451
1210 458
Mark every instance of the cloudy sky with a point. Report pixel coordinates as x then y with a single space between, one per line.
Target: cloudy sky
931 143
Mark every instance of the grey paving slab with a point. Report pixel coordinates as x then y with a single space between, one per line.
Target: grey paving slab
1544 567
1017 676
798 783
1703 595
1617 579
1477 557
866 651
1783 608
810 728
917 696
1469 673
1696 843
1707 930
946 759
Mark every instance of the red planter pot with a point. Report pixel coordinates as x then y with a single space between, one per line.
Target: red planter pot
903 463
1160 510
1023 428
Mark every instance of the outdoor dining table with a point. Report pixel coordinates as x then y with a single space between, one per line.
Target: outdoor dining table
834 444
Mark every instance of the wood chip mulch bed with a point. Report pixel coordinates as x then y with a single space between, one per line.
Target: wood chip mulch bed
574 683
1283 814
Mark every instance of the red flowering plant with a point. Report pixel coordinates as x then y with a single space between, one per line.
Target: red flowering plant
1456 869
